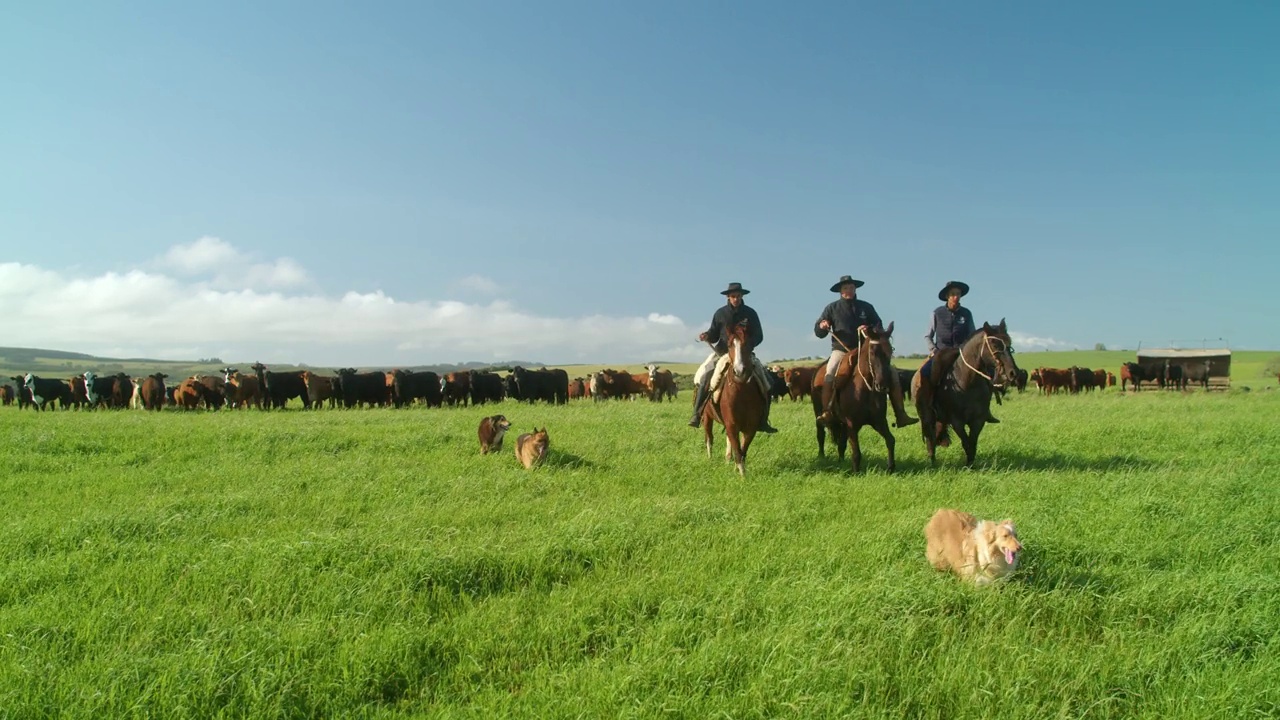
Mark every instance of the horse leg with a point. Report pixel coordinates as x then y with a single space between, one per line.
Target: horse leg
747 437
822 439
970 441
733 449
882 427
707 425
855 447
929 433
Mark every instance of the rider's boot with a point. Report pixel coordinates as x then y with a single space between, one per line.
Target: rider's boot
765 427
895 394
828 401
700 399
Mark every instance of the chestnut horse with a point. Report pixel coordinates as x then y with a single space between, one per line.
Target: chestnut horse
741 405
865 400
963 398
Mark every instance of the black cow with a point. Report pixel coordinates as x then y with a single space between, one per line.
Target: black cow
278 388
510 387
777 387
1020 379
410 386
904 381
1081 379
486 387
549 385
368 388
41 392
99 390
1173 376
1198 373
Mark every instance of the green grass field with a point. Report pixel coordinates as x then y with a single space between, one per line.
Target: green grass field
373 564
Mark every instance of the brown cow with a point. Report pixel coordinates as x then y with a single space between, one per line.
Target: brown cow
800 381
457 388
1051 380
319 389
190 393
613 384
1100 379
6 395
641 383
662 384
217 387
242 390
79 395
151 391
577 388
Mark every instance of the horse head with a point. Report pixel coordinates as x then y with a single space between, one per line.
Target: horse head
740 353
999 347
874 353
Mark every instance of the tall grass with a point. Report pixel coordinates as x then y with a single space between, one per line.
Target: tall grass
374 564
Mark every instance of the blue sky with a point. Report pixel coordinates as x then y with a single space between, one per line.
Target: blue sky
575 182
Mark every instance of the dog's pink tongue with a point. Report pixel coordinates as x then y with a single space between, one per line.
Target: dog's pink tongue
1008 556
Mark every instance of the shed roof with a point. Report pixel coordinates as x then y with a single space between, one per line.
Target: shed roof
1177 353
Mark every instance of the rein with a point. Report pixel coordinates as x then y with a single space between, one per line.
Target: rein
857 362
986 342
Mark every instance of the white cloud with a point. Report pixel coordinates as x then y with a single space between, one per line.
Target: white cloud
226 267
477 284
206 255
205 300
1026 341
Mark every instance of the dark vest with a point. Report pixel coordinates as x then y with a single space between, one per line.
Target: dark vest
951 330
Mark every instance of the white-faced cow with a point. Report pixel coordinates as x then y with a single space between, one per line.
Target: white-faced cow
42 391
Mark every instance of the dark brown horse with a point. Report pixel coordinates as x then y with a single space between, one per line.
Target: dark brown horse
864 401
963 397
741 404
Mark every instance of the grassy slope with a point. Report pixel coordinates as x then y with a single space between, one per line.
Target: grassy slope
373 564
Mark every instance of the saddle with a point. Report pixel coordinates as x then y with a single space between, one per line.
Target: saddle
718 376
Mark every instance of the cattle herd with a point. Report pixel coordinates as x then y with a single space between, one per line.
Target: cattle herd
265 389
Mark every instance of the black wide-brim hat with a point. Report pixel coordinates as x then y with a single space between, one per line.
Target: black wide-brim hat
735 288
845 280
964 289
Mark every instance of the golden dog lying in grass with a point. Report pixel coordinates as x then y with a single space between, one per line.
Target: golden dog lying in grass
978 550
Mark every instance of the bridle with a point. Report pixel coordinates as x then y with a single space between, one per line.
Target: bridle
858 360
995 359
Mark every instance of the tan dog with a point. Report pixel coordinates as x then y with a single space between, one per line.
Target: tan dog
492 430
531 448
978 550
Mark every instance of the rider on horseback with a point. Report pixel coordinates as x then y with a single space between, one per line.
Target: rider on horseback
949 327
842 319
733 312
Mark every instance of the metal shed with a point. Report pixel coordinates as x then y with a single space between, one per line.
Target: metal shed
1216 361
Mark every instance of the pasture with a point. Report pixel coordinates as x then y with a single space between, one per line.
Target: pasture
373 564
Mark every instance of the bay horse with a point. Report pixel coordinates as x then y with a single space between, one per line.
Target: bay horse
963 397
866 399
741 404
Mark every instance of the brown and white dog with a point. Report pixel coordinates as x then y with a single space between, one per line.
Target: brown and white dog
531 448
979 550
492 430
